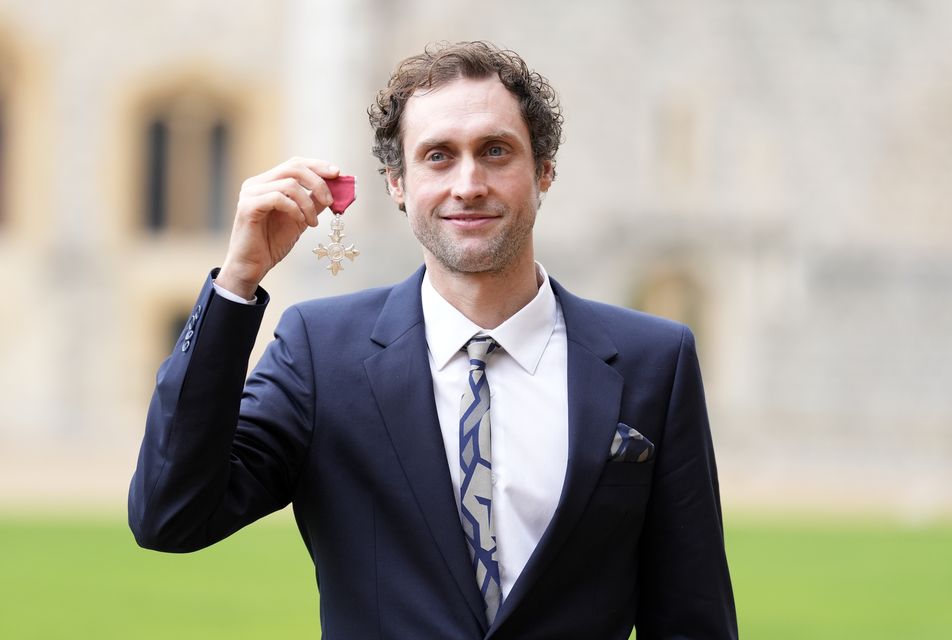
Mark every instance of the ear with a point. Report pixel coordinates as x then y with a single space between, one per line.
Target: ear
546 176
395 187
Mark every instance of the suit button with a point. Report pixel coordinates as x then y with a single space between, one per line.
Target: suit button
185 346
189 334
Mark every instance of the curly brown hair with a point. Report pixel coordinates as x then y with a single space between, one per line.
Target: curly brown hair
443 62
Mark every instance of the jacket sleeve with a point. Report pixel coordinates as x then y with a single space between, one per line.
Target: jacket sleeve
684 584
219 452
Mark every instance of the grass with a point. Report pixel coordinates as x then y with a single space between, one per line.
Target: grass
842 579
86 578
75 577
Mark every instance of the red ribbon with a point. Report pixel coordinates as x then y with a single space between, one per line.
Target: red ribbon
343 190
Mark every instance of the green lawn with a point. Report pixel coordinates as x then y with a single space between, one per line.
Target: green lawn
86 578
841 579
793 578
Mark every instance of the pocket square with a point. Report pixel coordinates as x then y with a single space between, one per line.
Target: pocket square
629 445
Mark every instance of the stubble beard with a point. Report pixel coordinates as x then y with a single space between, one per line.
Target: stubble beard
493 254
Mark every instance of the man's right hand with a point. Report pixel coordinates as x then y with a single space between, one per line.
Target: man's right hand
274 209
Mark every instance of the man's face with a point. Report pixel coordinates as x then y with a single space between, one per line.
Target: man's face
470 185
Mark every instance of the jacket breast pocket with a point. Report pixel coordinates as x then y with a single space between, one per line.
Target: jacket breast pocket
626 473
617 506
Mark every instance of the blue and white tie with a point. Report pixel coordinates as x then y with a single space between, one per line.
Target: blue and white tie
475 464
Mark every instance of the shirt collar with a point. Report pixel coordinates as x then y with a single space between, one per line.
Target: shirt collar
524 336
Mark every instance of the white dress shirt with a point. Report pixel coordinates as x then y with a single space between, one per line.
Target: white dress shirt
234 297
528 412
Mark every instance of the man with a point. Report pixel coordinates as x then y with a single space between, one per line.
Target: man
594 507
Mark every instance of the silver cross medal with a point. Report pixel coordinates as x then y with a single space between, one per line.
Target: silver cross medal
344 190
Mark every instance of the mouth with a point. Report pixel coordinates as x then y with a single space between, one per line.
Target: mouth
469 220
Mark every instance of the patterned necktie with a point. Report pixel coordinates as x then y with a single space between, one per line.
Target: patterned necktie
475 466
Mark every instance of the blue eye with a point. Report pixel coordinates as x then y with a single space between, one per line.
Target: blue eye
495 151
436 156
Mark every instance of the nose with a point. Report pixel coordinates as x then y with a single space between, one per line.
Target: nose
469 183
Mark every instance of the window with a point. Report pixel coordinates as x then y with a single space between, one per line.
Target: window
187 154
671 294
157 146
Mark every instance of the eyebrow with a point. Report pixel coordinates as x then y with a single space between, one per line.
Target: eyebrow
500 134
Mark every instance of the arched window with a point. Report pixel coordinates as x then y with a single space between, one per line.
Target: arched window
671 294
187 163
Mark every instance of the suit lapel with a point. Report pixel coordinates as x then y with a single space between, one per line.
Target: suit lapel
403 388
594 395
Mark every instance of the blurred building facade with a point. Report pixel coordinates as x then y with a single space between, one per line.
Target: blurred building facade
775 174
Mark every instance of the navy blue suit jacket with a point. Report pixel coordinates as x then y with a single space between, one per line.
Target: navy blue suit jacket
339 419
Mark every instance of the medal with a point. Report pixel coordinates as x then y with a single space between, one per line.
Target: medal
343 190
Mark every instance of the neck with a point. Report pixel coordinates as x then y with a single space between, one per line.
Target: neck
490 298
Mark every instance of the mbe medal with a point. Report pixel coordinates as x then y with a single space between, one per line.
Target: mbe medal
343 190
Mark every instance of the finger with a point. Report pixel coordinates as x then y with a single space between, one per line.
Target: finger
300 168
292 189
312 173
266 203
315 185
322 168
309 173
